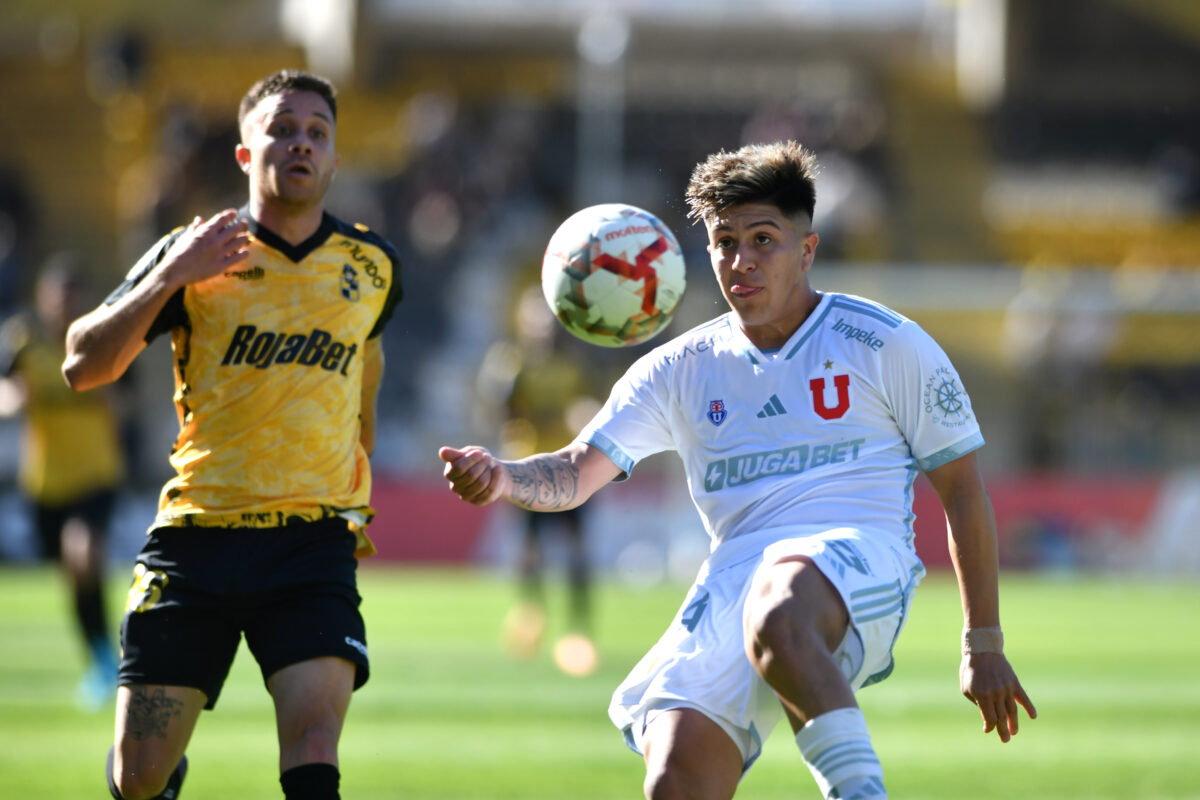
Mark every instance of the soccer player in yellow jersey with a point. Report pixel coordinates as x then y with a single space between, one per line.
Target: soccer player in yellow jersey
274 312
547 390
71 460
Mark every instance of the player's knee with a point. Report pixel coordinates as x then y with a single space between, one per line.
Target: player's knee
672 779
313 744
141 784
769 633
780 633
770 619
792 613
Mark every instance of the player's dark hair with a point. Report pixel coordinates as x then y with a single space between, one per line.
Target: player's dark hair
287 80
781 174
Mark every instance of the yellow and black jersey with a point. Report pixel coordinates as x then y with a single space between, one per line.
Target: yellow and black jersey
268 378
70 445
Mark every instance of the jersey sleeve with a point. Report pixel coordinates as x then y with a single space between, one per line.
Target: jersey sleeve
395 291
632 424
172 313
930 404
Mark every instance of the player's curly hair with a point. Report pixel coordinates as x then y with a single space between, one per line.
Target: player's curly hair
287 80
781 174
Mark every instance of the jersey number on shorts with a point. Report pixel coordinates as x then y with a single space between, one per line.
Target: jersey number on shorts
146 589
848 555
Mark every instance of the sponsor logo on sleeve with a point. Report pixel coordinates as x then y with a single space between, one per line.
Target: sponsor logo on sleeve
944 400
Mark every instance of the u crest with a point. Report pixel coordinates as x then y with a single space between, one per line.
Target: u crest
842 384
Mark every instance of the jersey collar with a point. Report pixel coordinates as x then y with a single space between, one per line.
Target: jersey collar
295 252
794 342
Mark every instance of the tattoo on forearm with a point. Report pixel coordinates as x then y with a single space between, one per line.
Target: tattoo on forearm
150 713
544 483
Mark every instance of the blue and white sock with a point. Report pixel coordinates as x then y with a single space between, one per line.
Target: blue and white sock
837 749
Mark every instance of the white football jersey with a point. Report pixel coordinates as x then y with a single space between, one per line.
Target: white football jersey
829 430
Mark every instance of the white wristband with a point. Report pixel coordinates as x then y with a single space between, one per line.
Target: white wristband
982 640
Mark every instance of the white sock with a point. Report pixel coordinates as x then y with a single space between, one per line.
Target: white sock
837 749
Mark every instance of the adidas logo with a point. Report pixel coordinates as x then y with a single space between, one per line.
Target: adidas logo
772 408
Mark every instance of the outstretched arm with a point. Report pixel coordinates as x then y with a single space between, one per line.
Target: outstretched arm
103 343
543 482
986 677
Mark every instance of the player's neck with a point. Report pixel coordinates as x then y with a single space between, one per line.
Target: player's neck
291 223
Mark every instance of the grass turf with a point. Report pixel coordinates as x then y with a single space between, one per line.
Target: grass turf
1110 663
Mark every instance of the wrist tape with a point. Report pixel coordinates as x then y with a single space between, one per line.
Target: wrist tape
982 640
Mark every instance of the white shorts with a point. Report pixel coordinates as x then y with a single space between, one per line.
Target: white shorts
700 662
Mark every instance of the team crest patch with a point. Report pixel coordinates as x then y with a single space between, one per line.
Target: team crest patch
717 411
349 283
841 387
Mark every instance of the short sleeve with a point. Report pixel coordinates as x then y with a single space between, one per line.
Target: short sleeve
395 291
632 424
172 314
929 401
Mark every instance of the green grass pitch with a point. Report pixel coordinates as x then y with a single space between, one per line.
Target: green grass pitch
1112 664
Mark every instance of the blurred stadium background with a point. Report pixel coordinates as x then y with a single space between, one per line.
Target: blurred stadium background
1021 177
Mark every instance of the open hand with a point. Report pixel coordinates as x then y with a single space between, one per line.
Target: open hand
208 247
988 681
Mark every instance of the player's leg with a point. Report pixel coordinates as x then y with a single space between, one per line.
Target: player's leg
579 578
689 756
575 653
309 638
795 625
695 694
531 566
153 727
525 623
84 542
178 641
83 561
794 620
311 699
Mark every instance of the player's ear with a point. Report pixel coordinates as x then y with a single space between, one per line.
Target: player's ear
809 245
242 154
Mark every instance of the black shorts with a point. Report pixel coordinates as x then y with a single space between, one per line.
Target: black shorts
569 519
95 509
291 590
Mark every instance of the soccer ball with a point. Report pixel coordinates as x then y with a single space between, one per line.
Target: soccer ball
613 274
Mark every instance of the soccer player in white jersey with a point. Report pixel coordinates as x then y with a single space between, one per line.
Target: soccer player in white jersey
802 419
